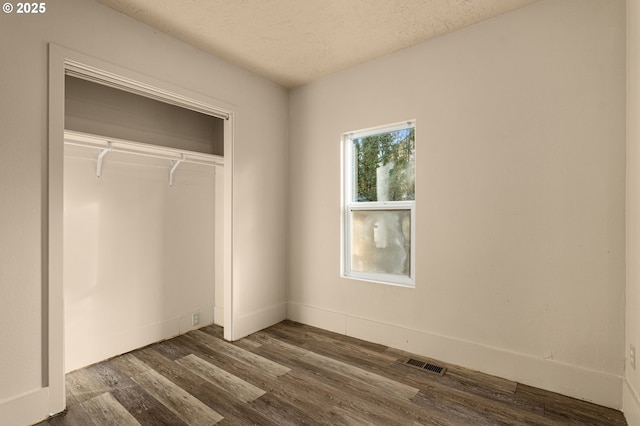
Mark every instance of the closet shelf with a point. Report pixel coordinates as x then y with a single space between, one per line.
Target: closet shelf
105 145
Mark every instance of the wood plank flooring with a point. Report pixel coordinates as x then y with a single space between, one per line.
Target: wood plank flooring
294 374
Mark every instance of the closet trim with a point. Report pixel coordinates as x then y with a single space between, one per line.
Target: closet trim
89 73
63 61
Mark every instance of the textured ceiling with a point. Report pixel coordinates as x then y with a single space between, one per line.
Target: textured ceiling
293 42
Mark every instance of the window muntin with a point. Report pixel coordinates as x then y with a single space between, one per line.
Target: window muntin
379 170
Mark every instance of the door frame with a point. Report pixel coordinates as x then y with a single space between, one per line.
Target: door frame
61 62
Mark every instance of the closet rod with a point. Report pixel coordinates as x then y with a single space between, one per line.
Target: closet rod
126 147
174 157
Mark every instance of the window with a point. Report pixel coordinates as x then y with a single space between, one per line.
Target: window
379 204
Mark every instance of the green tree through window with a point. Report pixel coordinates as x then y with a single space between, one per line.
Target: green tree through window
394 154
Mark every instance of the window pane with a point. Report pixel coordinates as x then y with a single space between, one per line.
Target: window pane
384 166
381 241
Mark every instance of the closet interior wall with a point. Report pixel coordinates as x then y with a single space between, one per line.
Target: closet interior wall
141 257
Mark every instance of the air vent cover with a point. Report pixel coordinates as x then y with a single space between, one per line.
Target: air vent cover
432 368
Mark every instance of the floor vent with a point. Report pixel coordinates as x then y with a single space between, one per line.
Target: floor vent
436 369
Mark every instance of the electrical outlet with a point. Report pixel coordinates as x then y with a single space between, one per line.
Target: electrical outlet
632 356
195 318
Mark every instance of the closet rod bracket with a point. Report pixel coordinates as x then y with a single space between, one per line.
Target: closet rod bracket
101 158
174 166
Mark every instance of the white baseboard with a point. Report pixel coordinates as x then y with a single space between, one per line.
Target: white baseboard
218 315
630 404
258 320
321 318
26 409
589 385
100 347
186 321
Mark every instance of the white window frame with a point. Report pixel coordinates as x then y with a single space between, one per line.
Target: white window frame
349 206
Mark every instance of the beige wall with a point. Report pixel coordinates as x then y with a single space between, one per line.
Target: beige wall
631 405
259 165
520 198
138 254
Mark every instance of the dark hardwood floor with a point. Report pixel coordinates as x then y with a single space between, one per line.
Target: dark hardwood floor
293 374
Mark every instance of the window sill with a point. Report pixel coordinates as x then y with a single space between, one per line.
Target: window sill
392 280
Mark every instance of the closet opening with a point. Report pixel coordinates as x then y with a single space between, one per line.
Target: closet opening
142 220
139 225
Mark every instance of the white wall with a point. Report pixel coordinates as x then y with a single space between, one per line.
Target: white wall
520 190
259 174
139 256
631 405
